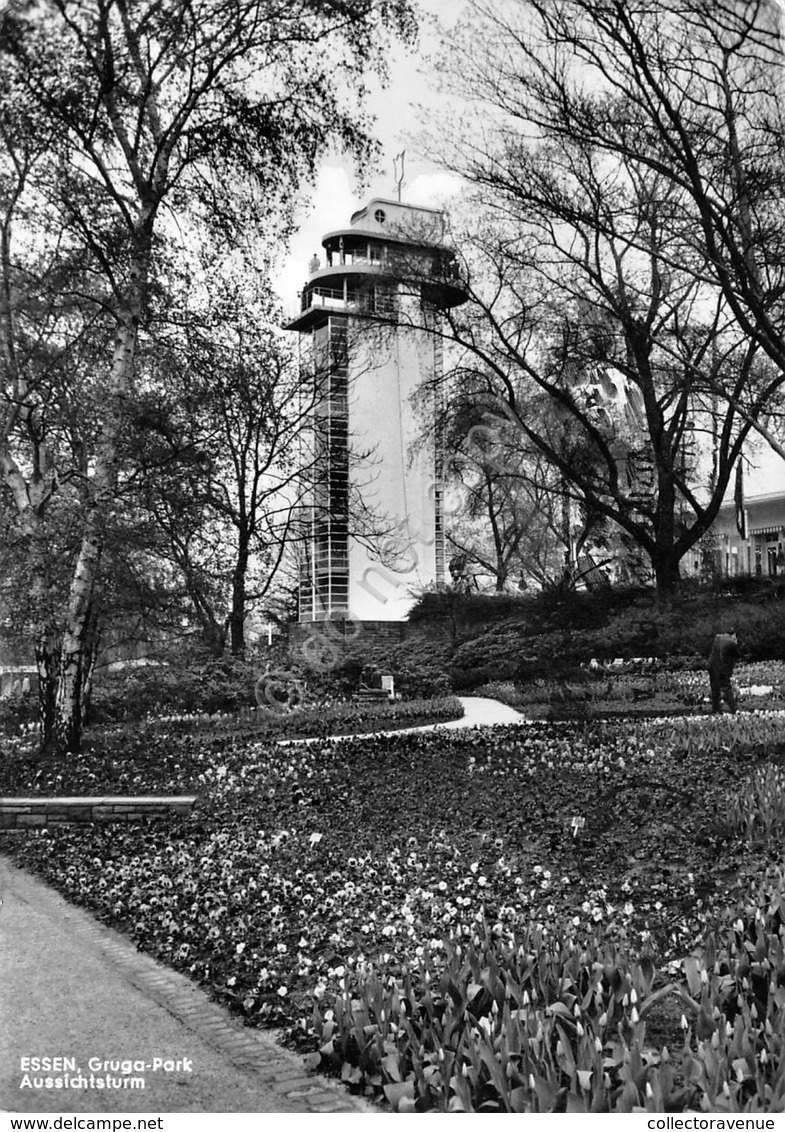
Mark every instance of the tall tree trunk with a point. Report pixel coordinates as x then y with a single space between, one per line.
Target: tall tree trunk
47 658
667 575
665 558
75 660
57 733
90 657
237 616
214 636
566 526
77 653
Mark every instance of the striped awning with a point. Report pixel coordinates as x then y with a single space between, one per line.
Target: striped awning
766 532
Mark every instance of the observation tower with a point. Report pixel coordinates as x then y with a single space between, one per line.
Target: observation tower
371 363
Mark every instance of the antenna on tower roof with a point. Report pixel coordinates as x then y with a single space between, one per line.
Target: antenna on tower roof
399 181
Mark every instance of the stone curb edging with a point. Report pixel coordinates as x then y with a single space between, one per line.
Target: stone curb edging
277 1070
37 811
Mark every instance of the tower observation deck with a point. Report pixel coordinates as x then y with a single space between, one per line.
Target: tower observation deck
370 363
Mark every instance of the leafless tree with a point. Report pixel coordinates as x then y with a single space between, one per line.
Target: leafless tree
624 253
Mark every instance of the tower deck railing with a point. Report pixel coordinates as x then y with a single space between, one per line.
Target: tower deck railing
329 298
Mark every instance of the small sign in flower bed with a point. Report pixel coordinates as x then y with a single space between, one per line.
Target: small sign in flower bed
554 918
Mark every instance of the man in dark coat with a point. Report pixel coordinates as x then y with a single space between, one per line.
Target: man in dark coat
724 653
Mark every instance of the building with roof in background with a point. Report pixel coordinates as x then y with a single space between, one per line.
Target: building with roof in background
748 536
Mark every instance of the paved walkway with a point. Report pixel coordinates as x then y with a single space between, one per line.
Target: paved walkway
477 712
72 988
481 712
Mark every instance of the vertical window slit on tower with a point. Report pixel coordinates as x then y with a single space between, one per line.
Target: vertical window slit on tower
328 591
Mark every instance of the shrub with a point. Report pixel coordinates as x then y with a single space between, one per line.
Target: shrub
133 693
553 634
506 692
490 658
418 668
16 712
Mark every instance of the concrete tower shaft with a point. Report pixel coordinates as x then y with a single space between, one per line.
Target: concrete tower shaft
366 314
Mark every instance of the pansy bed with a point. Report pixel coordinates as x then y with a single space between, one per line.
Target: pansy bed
358 894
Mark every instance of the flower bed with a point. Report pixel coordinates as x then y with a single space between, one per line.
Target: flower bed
312 722
426 912
322 720
641 689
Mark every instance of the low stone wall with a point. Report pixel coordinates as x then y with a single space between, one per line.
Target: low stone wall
17 680
345 635
23 813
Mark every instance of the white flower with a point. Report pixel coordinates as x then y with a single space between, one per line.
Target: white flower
282 992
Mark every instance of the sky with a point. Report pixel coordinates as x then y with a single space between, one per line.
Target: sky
338 192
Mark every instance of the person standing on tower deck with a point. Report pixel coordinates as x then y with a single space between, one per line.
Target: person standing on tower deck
723 657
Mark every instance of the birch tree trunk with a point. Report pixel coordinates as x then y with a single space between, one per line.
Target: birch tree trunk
75 661
31 493
47 658
77 650
132 107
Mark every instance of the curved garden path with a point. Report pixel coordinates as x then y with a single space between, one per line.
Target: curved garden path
481 712
477 712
